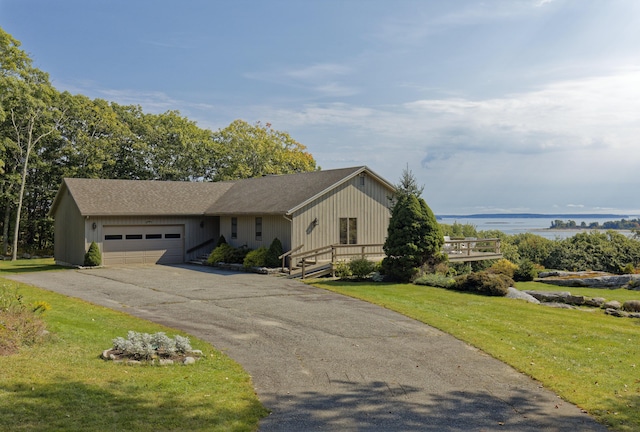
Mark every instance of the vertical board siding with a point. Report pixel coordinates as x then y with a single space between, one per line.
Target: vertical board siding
272 226
368 203
69 244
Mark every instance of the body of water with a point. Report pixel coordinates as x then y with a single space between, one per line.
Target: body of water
539 226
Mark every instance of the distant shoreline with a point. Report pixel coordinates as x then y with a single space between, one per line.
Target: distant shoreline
534 216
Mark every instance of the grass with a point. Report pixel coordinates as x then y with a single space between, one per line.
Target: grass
588 358
62 384
28 265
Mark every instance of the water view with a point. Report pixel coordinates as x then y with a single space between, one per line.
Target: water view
536 225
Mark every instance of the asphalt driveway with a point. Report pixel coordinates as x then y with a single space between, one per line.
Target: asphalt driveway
322 361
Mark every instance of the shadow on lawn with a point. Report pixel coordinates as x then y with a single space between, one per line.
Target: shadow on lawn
76 406
28 266
377 407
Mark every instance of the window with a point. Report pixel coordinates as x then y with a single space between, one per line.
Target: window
153 236
172 236
259 229
234 228
362 179
113 237
348 231
133 236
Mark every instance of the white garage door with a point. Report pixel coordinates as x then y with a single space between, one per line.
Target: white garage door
143 244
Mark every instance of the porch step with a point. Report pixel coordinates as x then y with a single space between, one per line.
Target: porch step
200 260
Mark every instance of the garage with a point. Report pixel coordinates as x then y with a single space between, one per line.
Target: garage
143 244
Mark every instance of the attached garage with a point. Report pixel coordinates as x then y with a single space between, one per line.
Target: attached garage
143 244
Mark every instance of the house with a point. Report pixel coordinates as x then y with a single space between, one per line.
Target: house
136 221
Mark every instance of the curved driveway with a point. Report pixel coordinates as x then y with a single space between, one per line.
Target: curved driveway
322 361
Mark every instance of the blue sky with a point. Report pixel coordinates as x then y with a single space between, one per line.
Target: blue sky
495 106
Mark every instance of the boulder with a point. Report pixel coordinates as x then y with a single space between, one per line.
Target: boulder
613 304
595 302
631 306
616 312
520 295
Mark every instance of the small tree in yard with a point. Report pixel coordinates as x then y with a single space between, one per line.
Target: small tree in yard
414 237
93 257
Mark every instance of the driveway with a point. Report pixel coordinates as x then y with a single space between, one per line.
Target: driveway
322 361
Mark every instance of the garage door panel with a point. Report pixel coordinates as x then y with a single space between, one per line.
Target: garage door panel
133 244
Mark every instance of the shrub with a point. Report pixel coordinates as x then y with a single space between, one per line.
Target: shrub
503 266
221 240
342 269
485 283
256 258
628 269
435 280
275 250
361 268
93 257
222 253
238 255
526 271
20 325
145 346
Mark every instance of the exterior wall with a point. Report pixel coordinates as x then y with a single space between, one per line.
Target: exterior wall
272 227
368 203
194 233
69 229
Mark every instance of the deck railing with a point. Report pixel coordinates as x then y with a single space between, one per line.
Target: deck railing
463 249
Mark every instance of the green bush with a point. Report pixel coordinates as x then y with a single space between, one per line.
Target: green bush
222 253
435 280
342 269
526 271
275 250
484 283
361 268
256 258
221 240
93 257
238 255
145 346
503 266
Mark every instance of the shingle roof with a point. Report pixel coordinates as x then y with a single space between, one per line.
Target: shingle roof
142 197
278 194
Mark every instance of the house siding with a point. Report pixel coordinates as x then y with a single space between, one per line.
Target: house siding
272 226
368 203
69 228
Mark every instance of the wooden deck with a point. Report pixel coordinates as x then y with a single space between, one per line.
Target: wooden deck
458 250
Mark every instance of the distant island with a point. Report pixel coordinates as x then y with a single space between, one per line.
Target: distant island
622 224
534 216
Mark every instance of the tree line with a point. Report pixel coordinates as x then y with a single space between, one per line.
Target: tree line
622 224
47 135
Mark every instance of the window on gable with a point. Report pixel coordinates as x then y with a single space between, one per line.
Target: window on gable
259 229
234 228
348 231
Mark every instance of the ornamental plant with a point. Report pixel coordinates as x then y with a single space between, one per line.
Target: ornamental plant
93 257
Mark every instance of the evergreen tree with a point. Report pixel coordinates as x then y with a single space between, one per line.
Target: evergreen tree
414 237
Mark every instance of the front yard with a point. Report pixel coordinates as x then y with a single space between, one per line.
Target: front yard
588 358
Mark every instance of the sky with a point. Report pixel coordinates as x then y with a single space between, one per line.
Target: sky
496 106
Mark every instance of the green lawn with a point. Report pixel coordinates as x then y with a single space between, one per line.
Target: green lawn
28 265
587 357
62 384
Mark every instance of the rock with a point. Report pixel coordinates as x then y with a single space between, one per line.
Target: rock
165 362
133 362
550 296
558 305
613 304
519 295
616 312
595 302
631 306
634 315
196 352
188 360
105 354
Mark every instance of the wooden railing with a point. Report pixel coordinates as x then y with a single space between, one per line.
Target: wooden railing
467 249
469 246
